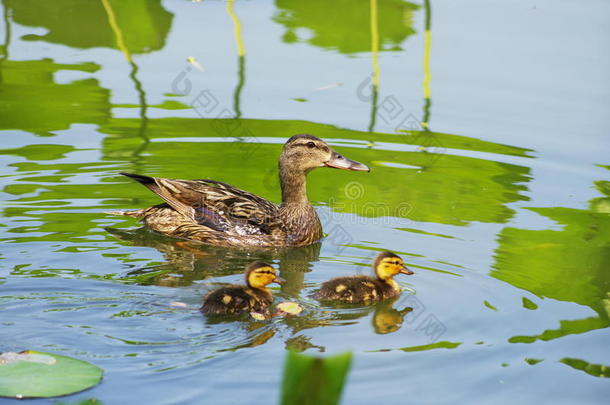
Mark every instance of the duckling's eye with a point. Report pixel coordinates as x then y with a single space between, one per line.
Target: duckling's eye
310 145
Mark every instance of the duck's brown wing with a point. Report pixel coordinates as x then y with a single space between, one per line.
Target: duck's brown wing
214 204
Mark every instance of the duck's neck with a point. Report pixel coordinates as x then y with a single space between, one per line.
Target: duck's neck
294 187
299 219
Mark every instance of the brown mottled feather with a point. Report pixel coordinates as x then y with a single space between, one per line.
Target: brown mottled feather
213 212
355 289
195 199
242 299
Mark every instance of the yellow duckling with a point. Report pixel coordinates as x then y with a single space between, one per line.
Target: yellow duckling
235 299
365 289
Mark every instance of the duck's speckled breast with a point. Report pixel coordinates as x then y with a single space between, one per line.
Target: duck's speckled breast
301 224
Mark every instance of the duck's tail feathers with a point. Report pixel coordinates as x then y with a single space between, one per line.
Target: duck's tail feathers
131 213
145 180
169 190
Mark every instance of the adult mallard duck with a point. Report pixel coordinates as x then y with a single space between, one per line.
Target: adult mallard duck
219 214
364 289
236 299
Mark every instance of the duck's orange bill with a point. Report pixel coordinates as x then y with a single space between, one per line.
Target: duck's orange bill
279 280
405 270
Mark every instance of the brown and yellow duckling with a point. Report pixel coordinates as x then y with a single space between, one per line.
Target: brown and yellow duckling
236 299
219 214
365 289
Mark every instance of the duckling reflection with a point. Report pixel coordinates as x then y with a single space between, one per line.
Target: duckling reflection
386 319
229 334
301 343
260 338
188 261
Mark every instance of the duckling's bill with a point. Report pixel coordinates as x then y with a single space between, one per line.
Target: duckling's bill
405 270
338 161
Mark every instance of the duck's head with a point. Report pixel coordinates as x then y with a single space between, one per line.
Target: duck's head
388 264
306 152
259 274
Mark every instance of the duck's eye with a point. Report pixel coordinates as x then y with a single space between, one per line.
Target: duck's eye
310 145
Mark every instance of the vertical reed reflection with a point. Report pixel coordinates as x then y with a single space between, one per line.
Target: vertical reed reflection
427 73
375 60
7 34
241 57
121 44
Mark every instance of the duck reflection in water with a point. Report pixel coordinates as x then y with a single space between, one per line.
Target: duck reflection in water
188 262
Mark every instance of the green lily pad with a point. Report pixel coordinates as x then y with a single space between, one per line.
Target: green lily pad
31 374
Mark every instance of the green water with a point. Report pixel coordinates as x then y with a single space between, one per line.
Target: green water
486 128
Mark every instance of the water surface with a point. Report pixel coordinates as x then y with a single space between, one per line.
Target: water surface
486 128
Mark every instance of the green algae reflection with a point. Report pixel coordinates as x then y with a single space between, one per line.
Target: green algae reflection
570 264
344 25
448 189
32 101
47 203
90 24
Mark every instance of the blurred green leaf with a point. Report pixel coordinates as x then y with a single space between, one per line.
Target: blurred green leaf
314 380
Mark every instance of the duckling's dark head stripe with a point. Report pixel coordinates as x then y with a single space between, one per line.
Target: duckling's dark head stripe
385 255
259 268
257 265
261 271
